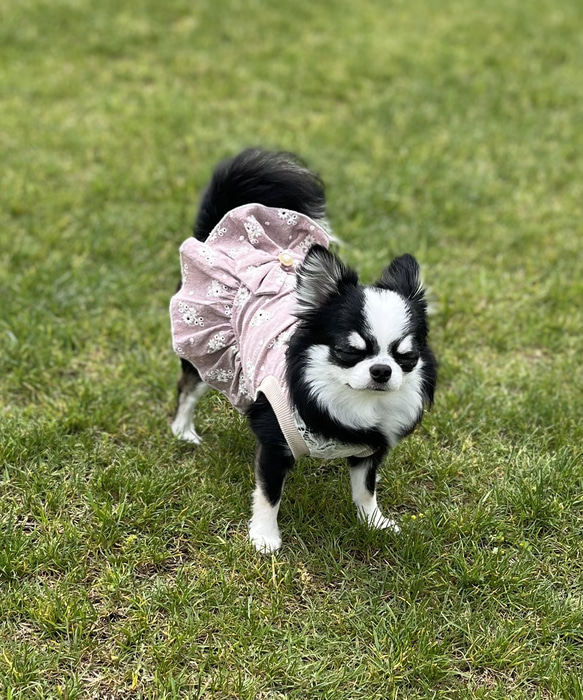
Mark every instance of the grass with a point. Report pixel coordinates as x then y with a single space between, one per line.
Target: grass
450 130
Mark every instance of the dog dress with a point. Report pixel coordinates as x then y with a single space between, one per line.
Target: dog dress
234 313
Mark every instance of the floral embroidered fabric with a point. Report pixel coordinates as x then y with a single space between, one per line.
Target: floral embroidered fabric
235 310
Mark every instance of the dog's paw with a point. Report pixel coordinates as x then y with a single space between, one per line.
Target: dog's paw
186 433
382 523
265 542
377 521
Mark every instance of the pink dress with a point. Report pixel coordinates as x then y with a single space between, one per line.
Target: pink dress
234 313
235 310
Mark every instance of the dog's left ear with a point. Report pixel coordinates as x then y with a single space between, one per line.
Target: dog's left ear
321 276
403 276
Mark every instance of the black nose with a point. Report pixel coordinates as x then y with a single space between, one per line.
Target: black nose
381 373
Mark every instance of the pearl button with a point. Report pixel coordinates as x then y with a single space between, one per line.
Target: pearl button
285 259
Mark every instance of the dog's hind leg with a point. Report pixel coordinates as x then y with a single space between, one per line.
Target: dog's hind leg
190 388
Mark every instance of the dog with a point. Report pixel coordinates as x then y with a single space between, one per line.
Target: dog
265 313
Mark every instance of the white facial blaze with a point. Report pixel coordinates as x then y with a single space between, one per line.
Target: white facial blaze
387 318
386 315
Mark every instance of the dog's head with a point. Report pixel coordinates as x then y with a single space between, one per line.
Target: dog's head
364 338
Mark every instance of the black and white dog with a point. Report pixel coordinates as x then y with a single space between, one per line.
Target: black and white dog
358 368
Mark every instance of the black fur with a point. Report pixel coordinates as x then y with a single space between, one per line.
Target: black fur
273 450
262 177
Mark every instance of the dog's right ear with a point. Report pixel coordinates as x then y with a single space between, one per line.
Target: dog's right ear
321 276
403 276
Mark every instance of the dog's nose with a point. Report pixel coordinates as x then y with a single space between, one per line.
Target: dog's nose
381 373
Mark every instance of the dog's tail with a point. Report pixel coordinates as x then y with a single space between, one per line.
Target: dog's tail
262 177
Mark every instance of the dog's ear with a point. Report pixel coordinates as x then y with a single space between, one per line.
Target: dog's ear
321 276
403 276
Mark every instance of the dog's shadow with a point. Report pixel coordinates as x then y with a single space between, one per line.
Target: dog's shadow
316 510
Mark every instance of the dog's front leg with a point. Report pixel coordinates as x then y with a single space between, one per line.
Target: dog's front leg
363 479
272 463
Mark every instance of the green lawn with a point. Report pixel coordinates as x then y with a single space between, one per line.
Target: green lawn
451 130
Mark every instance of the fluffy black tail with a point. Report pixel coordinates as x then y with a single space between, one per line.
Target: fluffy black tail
262 177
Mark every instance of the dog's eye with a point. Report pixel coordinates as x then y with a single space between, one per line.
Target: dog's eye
406 360
348 354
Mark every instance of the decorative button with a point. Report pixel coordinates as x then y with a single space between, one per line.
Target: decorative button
286 258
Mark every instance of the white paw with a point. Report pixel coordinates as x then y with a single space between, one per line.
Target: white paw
186 433
383 523
378 521
264 542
